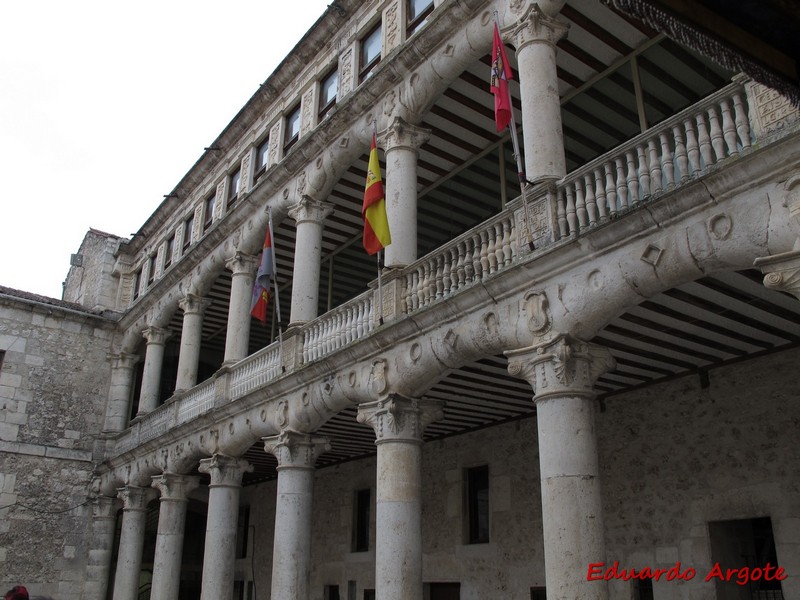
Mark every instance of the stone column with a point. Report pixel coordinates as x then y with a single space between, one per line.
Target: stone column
309 215
535 36
169 540
291 556
398 423
98 566
118 408
223 512
151 376
131 541
401 142
243 267
191 339
562 374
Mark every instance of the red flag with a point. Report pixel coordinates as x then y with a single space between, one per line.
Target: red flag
261 287
501 75
376 225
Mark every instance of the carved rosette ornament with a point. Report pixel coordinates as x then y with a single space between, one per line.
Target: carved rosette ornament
563 366
175 487
781 272
397 418
295 450
225 471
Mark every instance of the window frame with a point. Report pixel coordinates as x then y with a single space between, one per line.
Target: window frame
152 261
476 483
288 142
137 283
365 70
324 109
188 232
262 149
234 186
415 24
169 250
209 206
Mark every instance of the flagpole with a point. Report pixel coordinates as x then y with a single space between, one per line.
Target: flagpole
277 291
378 255
517 155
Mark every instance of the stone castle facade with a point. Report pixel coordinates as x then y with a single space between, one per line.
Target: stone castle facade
597 373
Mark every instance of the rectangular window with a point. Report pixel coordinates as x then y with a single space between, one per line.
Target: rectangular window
211 203
643 589
234 182
188 230
369 594
538 593
351 590
242 529
151 269
330 592
418 11
361 512
137 283
328 89
292 128
370 52
169 249
477 505
441 591
262 158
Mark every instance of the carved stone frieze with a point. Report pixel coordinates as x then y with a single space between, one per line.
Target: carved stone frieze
565 366
296 450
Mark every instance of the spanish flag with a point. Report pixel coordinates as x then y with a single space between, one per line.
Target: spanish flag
376 224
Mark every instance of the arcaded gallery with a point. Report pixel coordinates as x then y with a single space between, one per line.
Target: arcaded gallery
566 371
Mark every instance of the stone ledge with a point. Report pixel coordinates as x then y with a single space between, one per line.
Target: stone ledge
46 451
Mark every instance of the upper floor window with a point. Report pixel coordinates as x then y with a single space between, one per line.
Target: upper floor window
137 283
211 203
188 230
477 493
234 183
262 158
328 88
418 11
370 52
169 249
361 510
292 128
151 269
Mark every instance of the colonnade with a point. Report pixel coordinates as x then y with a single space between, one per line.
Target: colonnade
562 375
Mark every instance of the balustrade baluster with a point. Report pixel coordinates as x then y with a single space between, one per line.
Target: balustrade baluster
681 155
561 214
655 166
476 257
643 172
498 244
490 255
600 195
692 147
633 179
611 189
572 217
439 278
728 127
622 184
446 272
741 120
715 132
666 160
484 255
460 266
704 141
420 286
508 251
580 205
360 321
590 199
348 325
306 347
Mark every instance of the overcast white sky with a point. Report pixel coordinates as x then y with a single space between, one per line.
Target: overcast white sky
105 105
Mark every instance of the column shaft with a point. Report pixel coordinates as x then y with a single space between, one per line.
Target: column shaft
191 341
131 542
309 215
223 512
119 392
151 376
98 567
237 336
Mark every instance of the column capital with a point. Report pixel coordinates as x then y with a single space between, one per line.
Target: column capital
135 497
225 471
172 486
122 360
156 335
781 272
307 209
296 450
241 263
402 134
104 507
191 304
565 365
534 25
397 418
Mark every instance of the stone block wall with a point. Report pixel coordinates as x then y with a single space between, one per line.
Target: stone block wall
53 391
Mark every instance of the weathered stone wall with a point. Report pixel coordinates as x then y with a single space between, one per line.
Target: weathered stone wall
673 457
53 389
90 282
